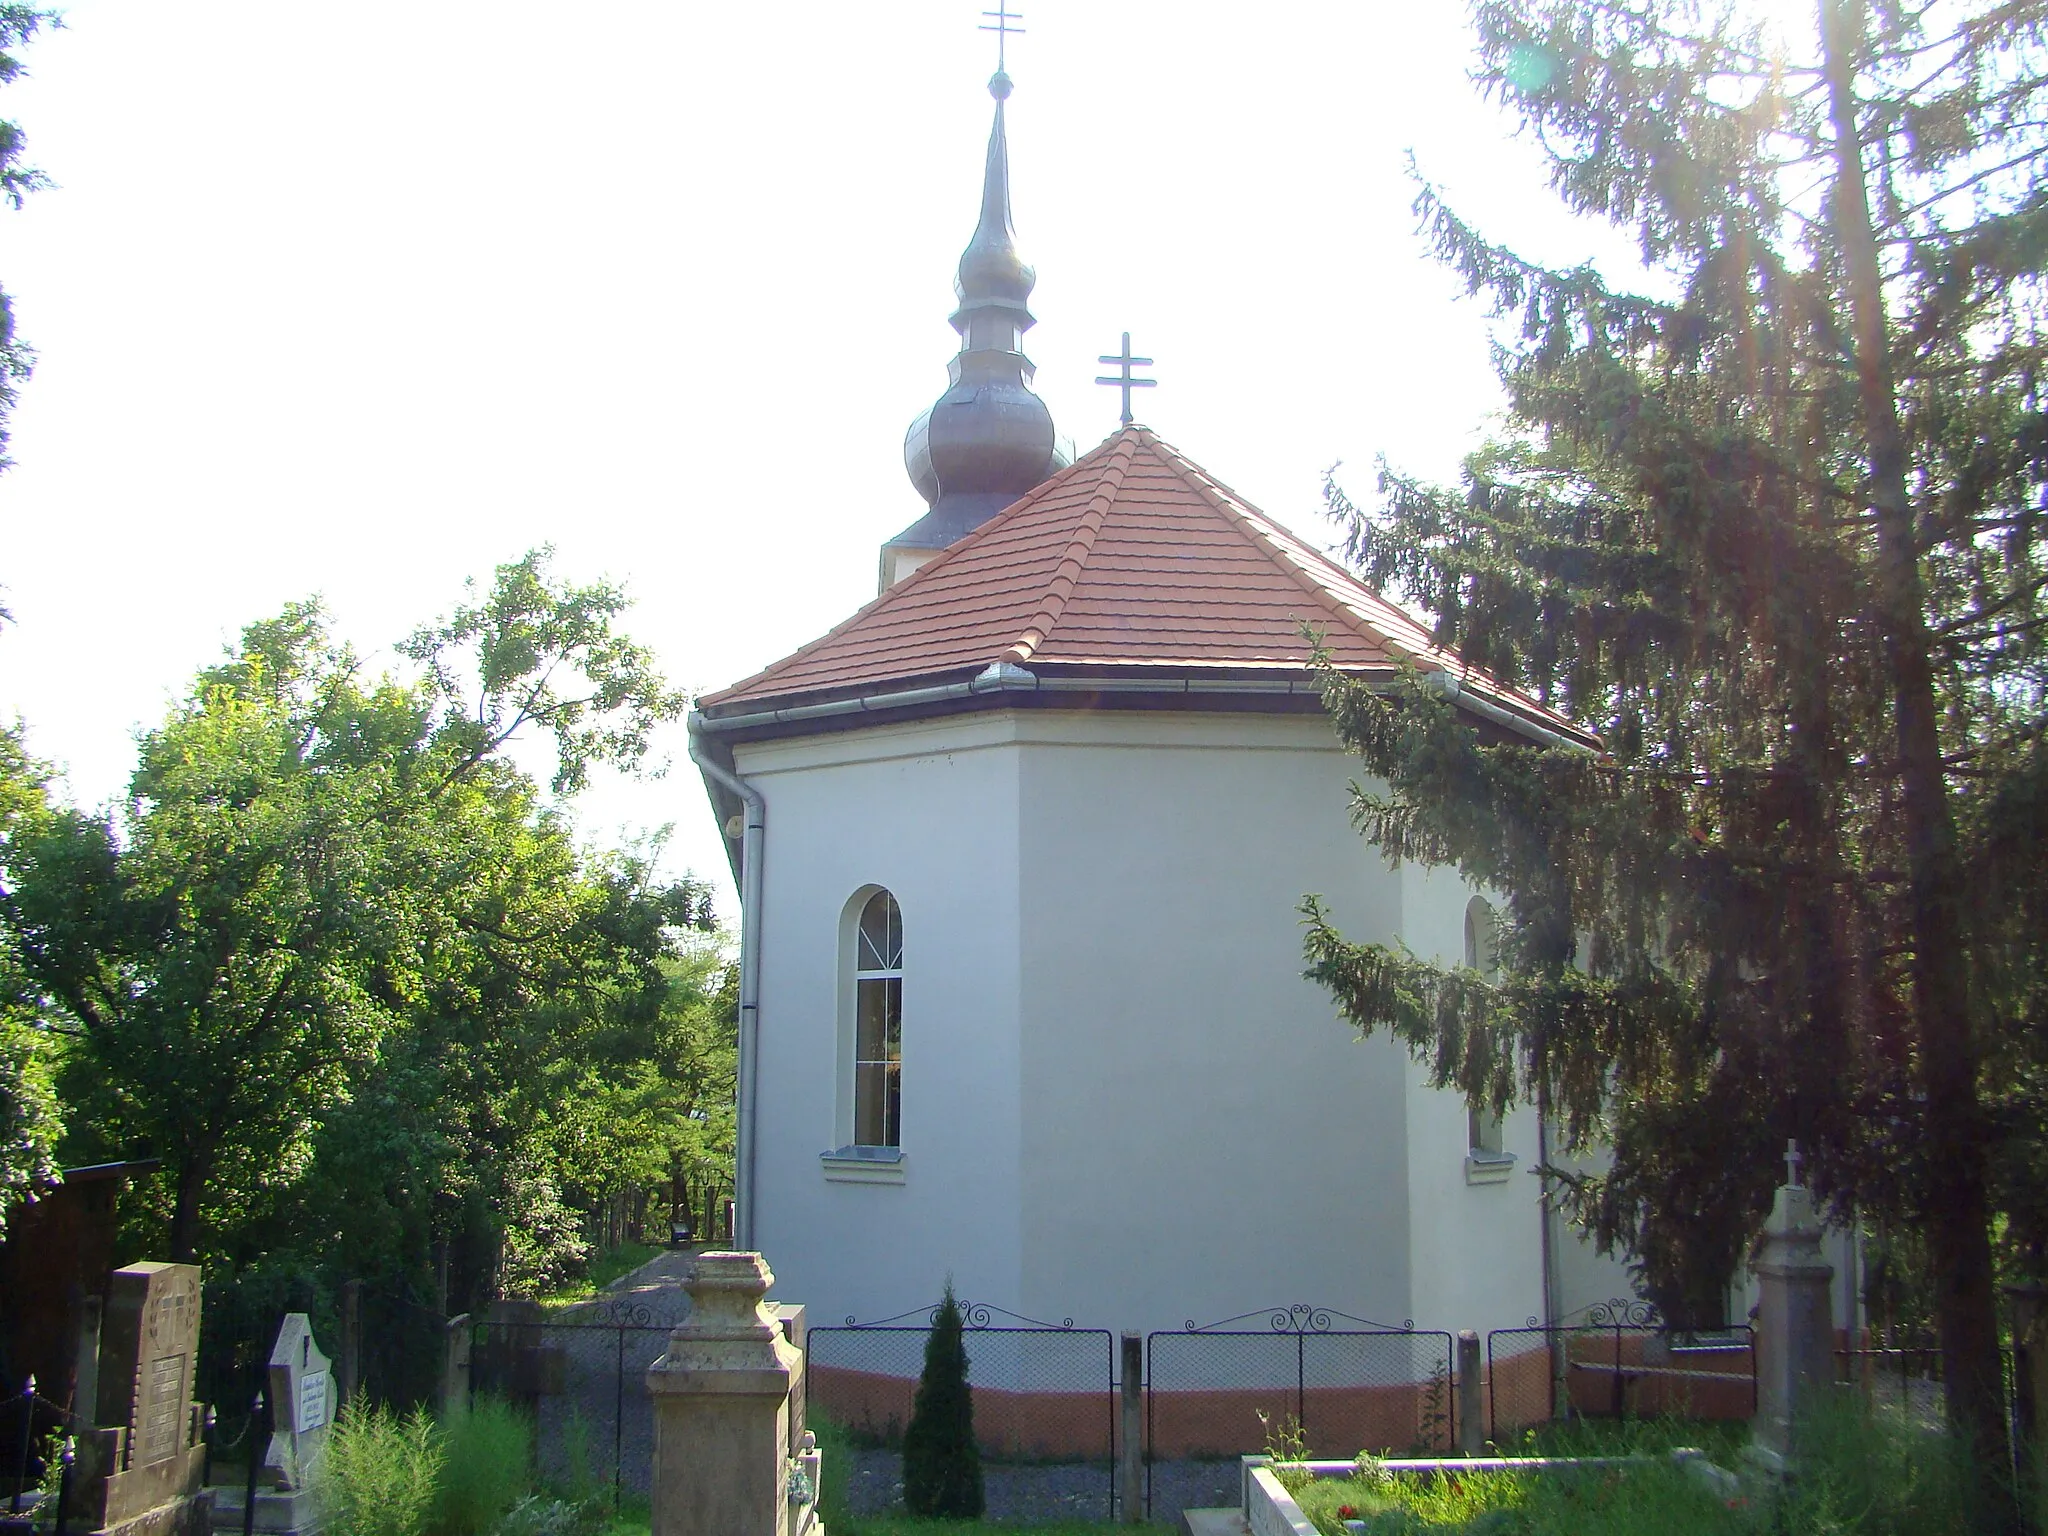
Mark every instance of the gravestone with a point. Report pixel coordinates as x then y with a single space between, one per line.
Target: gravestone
1795 1330
139 1469
304 1396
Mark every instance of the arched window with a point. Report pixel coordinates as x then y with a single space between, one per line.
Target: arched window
1483 1126
878 1024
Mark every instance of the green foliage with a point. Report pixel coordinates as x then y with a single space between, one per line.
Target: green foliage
379 1475
538 1516
31 1114
341 965
1772 528
835 1470
1867 1473
486 1468
533 653
18 24
604 1268
941 1461
1863 1472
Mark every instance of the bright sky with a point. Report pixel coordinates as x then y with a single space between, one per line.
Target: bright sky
362 299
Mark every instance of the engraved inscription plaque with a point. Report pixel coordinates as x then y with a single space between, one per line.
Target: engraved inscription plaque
163 1410
312 1401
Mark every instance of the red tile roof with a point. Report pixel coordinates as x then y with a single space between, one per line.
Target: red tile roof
1132 557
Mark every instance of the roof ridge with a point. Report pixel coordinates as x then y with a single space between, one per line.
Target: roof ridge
915 577
1388 625
1223 499
1074 558
1320 575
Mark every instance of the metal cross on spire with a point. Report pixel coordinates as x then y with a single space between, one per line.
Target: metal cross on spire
1124 381
1795 1165
1002 16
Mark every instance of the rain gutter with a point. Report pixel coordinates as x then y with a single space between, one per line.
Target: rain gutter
755 824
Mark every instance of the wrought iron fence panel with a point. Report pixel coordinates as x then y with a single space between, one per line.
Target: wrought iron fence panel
585 1385
1222 1390
1616 1359
1042 1392
1897 1374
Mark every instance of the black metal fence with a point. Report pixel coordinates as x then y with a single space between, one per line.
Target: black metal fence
1617 1359
1223 1389
1899 1375
1043 1392
582 1377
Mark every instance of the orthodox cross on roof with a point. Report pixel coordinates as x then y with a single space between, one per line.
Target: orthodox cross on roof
1124 381
1002 16
1795 1165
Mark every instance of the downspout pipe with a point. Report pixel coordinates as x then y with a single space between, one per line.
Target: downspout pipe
752 839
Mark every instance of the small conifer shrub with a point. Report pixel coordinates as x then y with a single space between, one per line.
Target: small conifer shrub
941 1463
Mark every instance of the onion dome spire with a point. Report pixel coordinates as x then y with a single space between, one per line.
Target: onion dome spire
988 439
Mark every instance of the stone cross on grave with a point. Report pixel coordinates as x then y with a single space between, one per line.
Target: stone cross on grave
303 1397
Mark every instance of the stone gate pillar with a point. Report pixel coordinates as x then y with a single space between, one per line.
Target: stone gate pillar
721 1408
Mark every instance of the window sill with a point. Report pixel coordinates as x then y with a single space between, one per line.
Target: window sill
863 1165
1489 1167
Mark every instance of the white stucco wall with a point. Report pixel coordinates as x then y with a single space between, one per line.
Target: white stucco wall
1202 1137
1476 1247
1122 1103
929 813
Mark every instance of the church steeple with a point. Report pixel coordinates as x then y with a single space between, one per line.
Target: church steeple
988 439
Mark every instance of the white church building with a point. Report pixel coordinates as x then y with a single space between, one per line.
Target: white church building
1021 846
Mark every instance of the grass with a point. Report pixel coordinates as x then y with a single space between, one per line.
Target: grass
905 1525
1864 1472
1657 1499
1721 1439
600 1270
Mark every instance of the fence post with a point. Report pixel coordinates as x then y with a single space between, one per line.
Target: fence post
1131 1460
348 1367
1471 1421
28 1423
721 1400
455 1347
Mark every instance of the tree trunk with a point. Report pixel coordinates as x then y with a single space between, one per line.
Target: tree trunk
193 1173
1958 1202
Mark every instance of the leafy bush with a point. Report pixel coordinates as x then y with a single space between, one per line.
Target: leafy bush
380 1472
941 1463
487 1467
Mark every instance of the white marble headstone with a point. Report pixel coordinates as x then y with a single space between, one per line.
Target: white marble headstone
303 1398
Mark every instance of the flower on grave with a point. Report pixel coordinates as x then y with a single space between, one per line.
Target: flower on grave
800 1490
1346 1512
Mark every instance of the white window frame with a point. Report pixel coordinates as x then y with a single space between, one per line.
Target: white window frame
852 1161
1485 1161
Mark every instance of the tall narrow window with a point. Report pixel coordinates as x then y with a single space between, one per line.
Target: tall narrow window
1483 1126
878 1025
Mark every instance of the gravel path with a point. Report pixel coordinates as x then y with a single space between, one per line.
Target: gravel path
1052 1491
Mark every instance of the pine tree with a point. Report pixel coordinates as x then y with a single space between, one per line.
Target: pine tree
1778 536
941 1462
